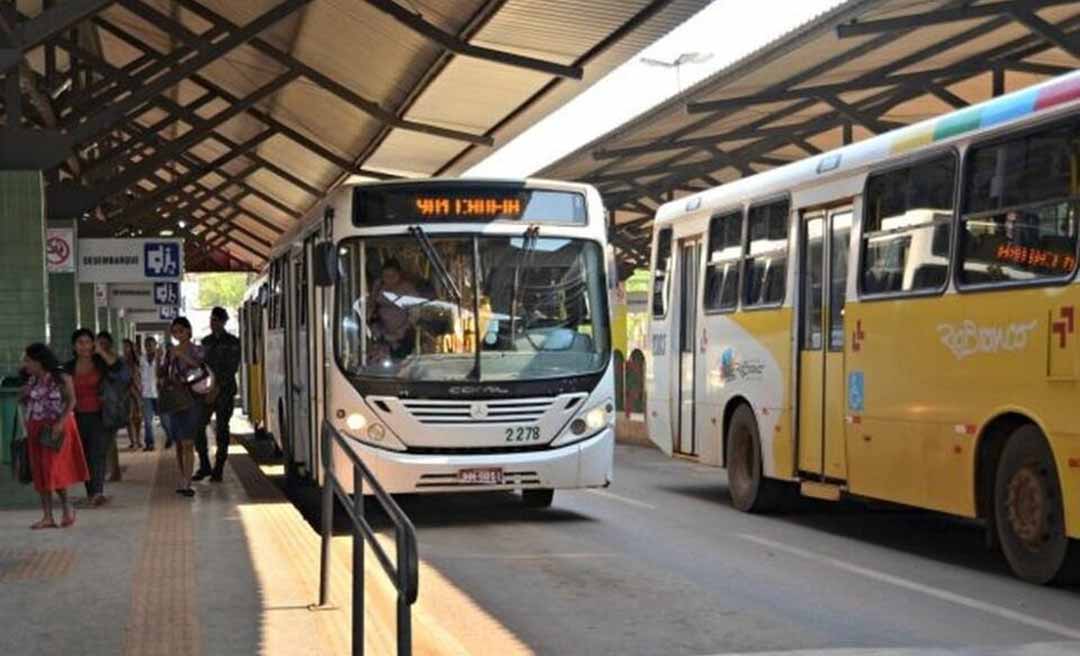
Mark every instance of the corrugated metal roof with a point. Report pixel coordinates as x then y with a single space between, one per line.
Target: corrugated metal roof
762 114
335 87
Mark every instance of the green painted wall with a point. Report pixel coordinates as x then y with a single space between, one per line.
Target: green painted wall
87 313
63 310
23 282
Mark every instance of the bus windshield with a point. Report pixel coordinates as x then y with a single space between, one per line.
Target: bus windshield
474 308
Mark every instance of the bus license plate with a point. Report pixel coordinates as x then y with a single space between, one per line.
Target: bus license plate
487 476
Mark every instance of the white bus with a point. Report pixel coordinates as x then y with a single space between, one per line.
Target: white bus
461 338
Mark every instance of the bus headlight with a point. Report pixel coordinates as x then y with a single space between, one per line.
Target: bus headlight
356 422
598 417
593 421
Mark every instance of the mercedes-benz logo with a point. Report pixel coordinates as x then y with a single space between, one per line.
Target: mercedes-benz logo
478 410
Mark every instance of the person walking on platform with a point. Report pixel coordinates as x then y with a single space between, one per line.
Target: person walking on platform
135 420
148 383
115 402
89 371
56 453
223 357
165 415
180 369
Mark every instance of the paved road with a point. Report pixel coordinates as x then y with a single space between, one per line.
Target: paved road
660 564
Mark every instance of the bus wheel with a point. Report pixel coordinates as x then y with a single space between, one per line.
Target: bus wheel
538 498
1029 511
750 490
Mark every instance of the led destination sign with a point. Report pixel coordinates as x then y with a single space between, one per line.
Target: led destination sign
465 203
444 207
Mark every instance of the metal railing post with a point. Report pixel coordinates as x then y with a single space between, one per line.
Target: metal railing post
404 573
327 516
358 565
404 616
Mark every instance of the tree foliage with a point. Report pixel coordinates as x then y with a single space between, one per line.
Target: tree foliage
224 289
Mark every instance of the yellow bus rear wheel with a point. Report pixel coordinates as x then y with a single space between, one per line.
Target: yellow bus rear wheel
1029 510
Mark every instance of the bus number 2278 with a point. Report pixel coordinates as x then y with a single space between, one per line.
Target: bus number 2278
523 434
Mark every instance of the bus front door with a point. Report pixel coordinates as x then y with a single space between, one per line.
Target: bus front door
689 267
299 378
824 243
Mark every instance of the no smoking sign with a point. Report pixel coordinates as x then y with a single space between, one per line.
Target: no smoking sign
59 250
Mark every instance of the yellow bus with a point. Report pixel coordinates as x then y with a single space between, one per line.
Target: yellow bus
252 382
894 320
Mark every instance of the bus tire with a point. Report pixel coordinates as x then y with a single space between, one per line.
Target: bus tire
1029 511
750 491
538 498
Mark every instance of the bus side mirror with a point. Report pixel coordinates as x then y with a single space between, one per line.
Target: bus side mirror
326 264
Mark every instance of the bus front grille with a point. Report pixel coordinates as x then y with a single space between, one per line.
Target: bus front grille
474 450
514 411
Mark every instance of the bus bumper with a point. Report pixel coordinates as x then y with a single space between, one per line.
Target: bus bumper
588 463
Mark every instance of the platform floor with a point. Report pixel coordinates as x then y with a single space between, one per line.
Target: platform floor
232 571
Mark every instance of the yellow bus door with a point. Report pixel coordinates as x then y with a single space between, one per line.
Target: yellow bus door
824 244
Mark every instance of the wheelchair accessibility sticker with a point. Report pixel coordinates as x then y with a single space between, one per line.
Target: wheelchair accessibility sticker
855 394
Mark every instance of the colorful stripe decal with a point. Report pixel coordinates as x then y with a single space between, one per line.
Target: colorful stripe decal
989 114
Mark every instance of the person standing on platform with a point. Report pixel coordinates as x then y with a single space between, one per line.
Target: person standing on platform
223 357
148 364
181 366
115 402
48 400
135 419
164 414
88 372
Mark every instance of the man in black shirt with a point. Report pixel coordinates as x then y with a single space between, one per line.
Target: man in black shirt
223 357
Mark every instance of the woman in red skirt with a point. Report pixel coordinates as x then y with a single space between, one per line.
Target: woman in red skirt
49 405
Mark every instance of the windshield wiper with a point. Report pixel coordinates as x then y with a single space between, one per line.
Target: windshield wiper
441 272
475 373
528 247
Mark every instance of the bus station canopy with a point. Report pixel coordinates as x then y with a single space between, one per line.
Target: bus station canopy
237 117
863 68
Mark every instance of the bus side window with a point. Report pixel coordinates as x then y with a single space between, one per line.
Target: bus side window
662 274
1019 221
724 259
766 261
907 223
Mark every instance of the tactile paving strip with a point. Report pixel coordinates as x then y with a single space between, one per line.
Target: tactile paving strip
164 618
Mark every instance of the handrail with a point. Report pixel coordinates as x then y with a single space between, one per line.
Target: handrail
404 574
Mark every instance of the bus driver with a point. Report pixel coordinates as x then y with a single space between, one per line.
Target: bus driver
392 329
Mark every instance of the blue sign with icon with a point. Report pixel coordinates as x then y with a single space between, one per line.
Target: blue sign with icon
166 293
161 259
168 313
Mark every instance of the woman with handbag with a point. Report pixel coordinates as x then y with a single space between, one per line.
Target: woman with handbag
56 454
181 368
89 370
